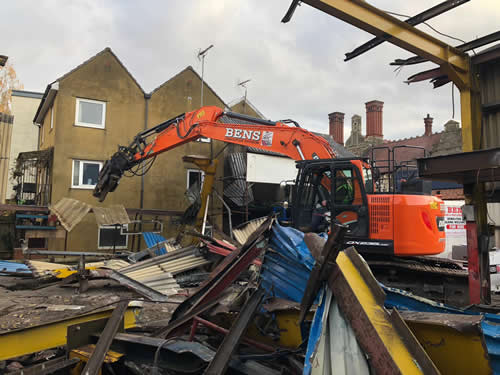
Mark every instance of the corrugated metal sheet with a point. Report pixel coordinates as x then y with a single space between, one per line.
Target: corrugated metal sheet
287 264
238 164
152 239
113 264
70 212
489 81
236 193
8 266
158 273
241 234
332 346
111 215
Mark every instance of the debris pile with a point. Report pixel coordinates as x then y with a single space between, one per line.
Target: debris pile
281 302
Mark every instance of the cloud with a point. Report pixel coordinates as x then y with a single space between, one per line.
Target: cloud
296 69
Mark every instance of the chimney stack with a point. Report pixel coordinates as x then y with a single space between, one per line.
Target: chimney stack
337 126
374 120
428 125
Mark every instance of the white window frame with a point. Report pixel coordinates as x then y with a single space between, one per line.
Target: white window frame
52 118
80 185
86 124
197 171
111 227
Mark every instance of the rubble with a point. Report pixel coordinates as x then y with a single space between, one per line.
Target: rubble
280 303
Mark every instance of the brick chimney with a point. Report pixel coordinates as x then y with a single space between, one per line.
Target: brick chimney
428 125
374 121
337 126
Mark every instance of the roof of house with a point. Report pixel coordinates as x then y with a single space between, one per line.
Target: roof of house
190 68
243 99
340 150
52 88
105 50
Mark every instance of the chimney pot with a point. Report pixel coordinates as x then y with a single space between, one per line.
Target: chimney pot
336 120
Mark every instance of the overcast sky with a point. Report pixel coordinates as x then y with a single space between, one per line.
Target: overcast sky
297 69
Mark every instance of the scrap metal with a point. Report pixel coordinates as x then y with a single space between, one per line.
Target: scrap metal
111 215
444 335
33 339
197 320
48 367
93 366
213 288
415 20
319 273
219 364
385 338
70 212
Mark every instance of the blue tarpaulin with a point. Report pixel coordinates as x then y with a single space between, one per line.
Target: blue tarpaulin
152 239
287 264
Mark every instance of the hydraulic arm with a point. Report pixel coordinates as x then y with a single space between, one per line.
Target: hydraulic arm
285 137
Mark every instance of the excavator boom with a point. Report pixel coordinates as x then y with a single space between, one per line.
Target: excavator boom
284 137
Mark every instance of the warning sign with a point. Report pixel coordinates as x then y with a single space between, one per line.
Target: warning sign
453 222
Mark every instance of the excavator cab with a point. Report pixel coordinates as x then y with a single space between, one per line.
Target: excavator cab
330 190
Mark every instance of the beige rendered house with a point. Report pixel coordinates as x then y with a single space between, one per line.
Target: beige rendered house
85 114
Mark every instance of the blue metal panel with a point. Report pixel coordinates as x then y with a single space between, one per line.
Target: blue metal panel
8 266
287 264
152 239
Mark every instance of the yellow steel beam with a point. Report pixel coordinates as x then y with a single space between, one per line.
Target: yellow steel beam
373 20
455 63
445 335
385 338
50 335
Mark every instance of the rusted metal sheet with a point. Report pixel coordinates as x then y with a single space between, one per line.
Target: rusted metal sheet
387 341
219 364
321 268
249 251
111 215
70 212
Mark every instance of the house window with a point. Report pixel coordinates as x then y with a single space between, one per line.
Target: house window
195 176
90 113
85 174
110 237
52 118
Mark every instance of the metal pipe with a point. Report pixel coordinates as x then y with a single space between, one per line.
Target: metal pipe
229 213
197 320
205 216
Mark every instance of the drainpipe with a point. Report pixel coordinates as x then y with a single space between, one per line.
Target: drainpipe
146 112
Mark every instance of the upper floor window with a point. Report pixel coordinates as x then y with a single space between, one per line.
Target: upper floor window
85 174
90 113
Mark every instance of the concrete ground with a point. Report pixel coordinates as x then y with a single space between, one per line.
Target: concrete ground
25 308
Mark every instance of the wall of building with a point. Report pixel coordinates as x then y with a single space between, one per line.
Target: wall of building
167 180
5 142
104 79
24 133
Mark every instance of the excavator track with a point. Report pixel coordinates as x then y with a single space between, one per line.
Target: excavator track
439 279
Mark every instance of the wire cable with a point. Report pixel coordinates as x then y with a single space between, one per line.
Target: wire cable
426 24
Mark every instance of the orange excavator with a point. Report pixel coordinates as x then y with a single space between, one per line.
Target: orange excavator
344 189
